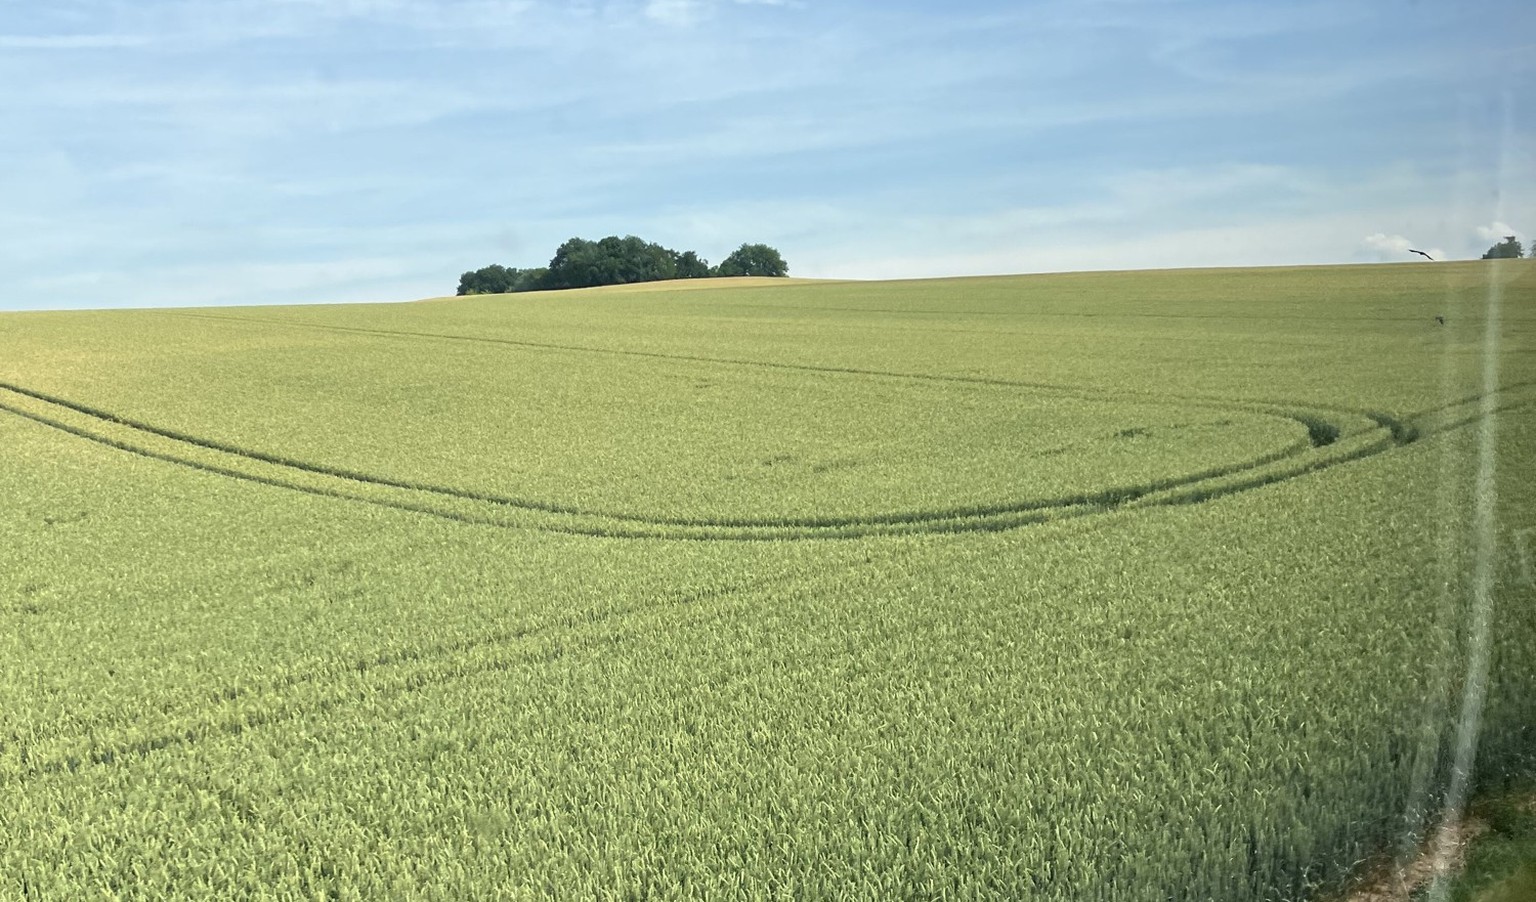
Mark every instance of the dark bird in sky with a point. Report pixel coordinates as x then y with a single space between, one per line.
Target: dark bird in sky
1420 253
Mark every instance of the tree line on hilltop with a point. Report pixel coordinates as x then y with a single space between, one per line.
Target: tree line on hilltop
580 263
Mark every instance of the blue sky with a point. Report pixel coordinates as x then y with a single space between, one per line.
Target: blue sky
172 152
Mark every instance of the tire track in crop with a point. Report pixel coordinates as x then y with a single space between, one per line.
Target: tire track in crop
1301 413
412 669
1287 409
487 509
497 510
1425 320
433 666
1064 390
341 484
1198 487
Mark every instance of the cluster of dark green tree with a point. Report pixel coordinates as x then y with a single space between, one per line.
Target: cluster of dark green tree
579 263
1508 249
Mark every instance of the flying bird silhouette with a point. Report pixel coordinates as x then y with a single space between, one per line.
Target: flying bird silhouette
1420 253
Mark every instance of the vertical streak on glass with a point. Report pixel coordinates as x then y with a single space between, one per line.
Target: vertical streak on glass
1441 656
1484 537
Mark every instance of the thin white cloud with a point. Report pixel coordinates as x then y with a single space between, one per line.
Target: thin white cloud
683 13
209 24
339 280
675 12
1152 188
73 41
427 15
1496 231
1295 241
1390 248
219 108
1183 220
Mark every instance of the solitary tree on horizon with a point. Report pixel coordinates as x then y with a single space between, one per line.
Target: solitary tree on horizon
753 260
1509 248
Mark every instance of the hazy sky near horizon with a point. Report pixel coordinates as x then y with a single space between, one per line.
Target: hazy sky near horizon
173 152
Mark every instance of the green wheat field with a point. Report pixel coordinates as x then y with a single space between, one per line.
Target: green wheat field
1112 586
